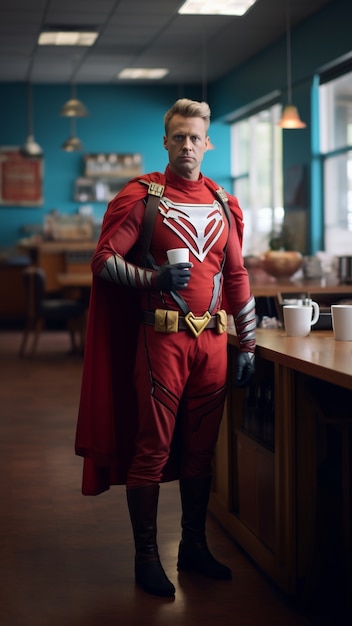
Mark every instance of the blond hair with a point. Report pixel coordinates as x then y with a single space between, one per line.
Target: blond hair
188 108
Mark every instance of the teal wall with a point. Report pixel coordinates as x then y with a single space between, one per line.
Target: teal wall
130 119
121 119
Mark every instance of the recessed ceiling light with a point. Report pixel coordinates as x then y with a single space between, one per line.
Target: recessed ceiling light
67 38
141 72
216 7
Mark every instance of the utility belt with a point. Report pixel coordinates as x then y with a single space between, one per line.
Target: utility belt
167 321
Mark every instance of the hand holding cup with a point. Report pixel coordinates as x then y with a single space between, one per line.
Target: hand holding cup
175 275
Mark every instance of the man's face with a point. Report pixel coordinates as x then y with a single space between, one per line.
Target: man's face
186 143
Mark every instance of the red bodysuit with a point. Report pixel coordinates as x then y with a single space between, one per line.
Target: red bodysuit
151 402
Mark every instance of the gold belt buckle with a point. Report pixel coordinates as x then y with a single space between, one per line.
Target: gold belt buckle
197 324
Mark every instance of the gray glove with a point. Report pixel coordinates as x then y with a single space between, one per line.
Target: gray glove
173 277
245 369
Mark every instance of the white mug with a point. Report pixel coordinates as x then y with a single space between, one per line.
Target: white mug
178 255
299 318
341 315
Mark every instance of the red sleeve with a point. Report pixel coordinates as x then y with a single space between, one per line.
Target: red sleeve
236 282
118 211
119 237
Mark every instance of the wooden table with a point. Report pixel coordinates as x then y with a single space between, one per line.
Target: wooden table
58 257
271 289
265 289
267 293
269 491
75 279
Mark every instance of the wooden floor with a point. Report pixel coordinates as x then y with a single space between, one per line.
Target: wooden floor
66 559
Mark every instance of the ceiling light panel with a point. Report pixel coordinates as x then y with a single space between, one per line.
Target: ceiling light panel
135 73
216 7
67 38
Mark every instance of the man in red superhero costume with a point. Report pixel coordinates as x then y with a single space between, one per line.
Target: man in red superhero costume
155 366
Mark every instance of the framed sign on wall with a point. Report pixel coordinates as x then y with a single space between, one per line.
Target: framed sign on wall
21 178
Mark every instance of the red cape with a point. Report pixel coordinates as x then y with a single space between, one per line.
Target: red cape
107 417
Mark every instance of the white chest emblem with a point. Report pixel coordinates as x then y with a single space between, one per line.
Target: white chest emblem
198 225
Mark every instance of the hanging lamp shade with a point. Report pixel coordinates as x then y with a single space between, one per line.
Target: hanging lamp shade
30 148
290 118
74 107
72 144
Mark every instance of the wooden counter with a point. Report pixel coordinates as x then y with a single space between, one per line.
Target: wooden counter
282 469
317 355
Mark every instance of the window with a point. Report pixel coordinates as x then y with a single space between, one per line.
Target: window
256 168
335 106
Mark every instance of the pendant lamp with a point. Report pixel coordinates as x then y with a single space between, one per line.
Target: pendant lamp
290 116
72 144
30 148
73 107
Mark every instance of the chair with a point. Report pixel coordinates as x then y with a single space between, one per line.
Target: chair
42 309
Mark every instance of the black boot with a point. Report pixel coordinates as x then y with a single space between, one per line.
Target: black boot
149 573
194 554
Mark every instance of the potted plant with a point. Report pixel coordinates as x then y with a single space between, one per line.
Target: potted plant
281 260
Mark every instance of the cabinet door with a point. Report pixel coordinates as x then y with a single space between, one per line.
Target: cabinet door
256 488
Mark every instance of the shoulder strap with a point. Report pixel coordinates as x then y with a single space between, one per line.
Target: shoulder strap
222 197
155 192
238 217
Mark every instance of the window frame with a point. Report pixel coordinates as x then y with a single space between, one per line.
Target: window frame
256 237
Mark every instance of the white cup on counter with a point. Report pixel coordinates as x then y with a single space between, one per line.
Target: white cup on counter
341 315
299 318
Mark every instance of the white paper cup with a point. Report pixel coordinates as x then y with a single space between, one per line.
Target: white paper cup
341 315
299 319
178 255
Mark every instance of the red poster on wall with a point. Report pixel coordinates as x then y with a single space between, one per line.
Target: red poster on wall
21 178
